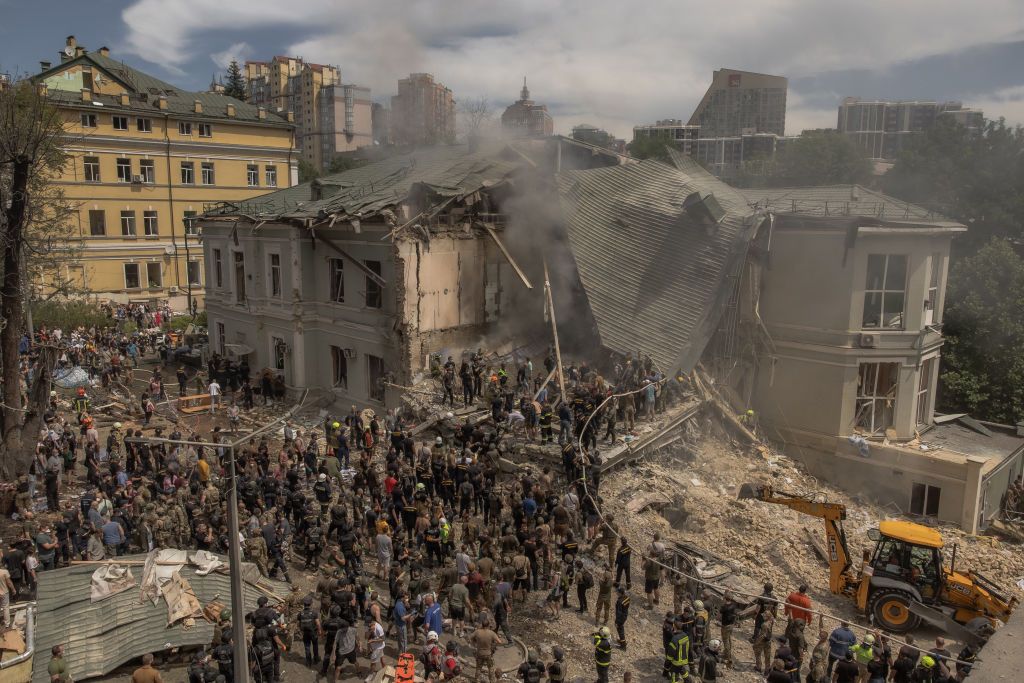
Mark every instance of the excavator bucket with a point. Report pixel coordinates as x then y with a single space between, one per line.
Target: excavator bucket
748 491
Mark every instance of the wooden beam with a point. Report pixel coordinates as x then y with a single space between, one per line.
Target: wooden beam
546 380
554 331
359 264
508 256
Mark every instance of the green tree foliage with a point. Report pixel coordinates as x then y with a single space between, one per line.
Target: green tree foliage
342 163
67 314
819 158
307 171
649 147
235 85
983 359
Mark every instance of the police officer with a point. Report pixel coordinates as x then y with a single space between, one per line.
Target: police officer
322 491
277 557
224 655
311 630
621 614
314 543
602 653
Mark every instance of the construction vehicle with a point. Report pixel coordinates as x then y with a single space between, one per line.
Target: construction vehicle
904 580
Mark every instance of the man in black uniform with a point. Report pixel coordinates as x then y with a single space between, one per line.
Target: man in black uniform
621 614
309 626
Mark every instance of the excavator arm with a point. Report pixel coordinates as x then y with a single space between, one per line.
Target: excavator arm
840 579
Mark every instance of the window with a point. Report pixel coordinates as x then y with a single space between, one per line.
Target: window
252 174
375 377
120 122
218 272
924 500
207 172
337 293
221 341
924 385
194 273
147 169
184 128
88 120
128 223
97 223
149 224
931 313
885 291
239 277
191 225
188 173
278 347
275 275
144 125
92 169
124 170
205 130
373 291
271 176
876 396
131 276
339 364
153 276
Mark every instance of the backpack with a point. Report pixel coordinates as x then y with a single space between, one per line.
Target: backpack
451 666
307 620
264 653
314 535
587 579
427 658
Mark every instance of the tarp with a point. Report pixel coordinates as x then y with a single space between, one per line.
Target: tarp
70 378
182 602
108 580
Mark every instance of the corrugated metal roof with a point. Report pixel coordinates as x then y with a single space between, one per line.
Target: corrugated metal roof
654 275
98 637
841 200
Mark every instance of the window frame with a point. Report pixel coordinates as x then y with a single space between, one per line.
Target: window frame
374 292
274 280
102 226
270 176
221 341
869 399
278 354
336 280
884 291
185 128
206 168
188 173
150 217
198 281
122 163
88 120
238 271
923 395
339 368
129 228
143 124
218 268
147 170
115 118
375 389
91 167
208 127
138 276
252 175
928 495
159 272
191 226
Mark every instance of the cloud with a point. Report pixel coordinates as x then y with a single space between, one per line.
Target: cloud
235 53
1007 103
609 63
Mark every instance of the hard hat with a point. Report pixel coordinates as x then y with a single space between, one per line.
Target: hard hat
714 644
81 391
336 425
869 639
927 662
432 635
558 652
604 631
750 411
439 441
322 477
117 425
421 486
53 393
450 415
698 605
532 656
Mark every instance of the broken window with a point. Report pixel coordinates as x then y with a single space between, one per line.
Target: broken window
337 293
375 377
275 275
885 291
924 385
279 351
876 396
931 313
131 276
374 296
924 500
221 341
239 277
218 275
339 364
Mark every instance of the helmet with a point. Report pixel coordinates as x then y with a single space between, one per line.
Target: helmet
336 425
532 656
117 425
421 486
604 631
322 477
558 653
439 441
81 391
869 639
698 605
432 636
927 662
450 415
53 393
714 644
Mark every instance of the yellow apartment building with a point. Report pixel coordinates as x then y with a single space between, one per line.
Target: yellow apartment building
146 156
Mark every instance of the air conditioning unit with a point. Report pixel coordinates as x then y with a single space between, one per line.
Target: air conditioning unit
173 289
868 341
136 179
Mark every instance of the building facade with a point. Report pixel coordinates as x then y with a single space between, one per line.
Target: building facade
740 102
725 156
423 112
145 158
881 128
346 121
527 118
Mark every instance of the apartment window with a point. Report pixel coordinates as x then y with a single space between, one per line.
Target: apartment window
188 173
128 223
271 176
373 290
147 169
131 276
221 341
924 500
195 273
924 386
275 275
154 277
876 396
339 364
375 377
144 125
92 169
124 170
239 277
885 291
337 280
207 173
931 312
205 130
218 268
149 224
97 223
184 128
120 122
191 225
252 174
279 351
88 120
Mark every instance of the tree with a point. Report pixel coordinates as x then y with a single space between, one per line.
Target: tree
307 171
983 359
235 85
474 117
341 163
819 158
650 147
31 155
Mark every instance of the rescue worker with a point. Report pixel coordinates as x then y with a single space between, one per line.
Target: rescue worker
604 596
602 653
531 671
679 654
312 631
621 614
556 669
81 403
708 670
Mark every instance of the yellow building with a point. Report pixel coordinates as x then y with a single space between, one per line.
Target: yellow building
145 157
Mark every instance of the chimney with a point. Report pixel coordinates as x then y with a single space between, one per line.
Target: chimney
291 117
105 51
161 102
125 99
261 113
43 65
231 111
197 106
71 42
86 95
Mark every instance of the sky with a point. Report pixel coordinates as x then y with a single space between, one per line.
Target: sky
608 63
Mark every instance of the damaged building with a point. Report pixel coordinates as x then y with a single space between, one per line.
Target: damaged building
819 308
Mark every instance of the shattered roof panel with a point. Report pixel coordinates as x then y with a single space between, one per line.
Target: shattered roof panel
654 274
100 636
841 200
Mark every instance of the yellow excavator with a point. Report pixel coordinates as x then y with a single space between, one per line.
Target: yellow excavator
904 580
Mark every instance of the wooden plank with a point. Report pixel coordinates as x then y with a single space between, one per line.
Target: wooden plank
554 331
508 256
816 544
358 264
546 380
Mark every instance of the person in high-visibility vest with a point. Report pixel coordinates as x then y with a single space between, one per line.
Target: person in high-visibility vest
679 654
81 403
602 653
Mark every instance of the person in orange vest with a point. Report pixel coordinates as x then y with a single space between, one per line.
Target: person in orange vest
798 605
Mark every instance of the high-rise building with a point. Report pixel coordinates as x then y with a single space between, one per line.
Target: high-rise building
423 112
882 127
381 118
527 118
345 120
145 157
725 156
742 102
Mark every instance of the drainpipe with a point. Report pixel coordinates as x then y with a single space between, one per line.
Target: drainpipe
30 640
170 197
